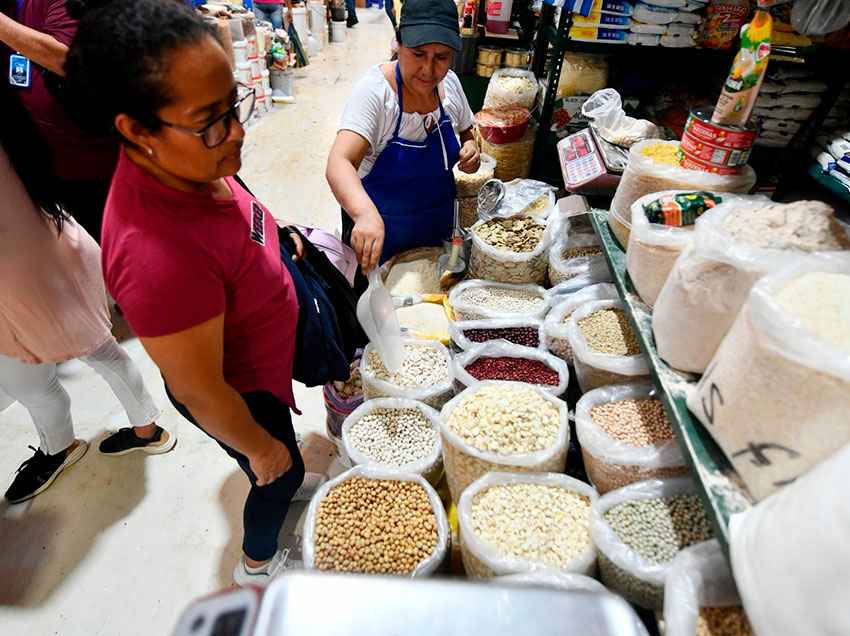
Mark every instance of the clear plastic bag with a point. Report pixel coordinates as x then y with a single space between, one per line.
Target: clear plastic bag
468 185
511 87
434 396
482 560
612 464
555 329
503 349
577 283
562 269
458 330
489 262
464 464
582 74
426 567
463 309
773 380
430 466
698 577
819 17
605 109
622 569
595 369
526 197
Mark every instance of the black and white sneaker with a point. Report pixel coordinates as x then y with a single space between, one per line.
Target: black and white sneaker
37 473
126 441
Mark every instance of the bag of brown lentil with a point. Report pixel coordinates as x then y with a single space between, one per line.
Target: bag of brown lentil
525 332
426 567
511 250
611 462
577 255
700 594
555 333
512 363
568 532
595 367
482 299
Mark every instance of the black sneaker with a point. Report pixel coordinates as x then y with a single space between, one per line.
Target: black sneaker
37 473
126 441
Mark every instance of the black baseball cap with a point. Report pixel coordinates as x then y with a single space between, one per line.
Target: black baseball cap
429 22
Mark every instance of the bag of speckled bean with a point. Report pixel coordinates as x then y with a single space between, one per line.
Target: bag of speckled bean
541 369
622 446
556 337
605 348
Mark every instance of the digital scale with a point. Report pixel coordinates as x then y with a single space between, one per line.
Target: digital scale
589 164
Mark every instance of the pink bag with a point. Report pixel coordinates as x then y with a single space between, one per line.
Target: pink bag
338 253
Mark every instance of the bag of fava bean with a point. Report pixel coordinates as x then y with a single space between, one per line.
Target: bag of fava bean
512 250
555 333
613 463
481 299
500 360
427 566
564 546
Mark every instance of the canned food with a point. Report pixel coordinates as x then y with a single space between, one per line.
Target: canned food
691 163
489 56
711 154
516 58
701 128
484 70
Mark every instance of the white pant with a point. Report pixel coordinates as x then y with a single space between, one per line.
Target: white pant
37 387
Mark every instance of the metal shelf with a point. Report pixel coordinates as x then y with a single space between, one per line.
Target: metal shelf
722 491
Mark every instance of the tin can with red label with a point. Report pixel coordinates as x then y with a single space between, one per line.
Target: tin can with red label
700 127
692 163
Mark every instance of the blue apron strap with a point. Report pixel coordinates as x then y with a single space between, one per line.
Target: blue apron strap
399 86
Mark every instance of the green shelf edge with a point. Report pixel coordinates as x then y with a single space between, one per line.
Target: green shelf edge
718 483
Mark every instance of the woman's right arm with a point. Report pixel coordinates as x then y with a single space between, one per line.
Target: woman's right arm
367 238
192 363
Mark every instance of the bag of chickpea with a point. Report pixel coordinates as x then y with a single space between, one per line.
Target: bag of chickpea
500 360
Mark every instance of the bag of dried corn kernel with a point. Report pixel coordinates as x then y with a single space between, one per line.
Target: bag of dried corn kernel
625 436
605 348
501 360
700 594
512 250
555 334
372 562
526 332
577 255
513 522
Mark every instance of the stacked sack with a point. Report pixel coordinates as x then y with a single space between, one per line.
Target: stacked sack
787 100
670 23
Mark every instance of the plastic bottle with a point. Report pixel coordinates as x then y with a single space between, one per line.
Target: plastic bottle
499 15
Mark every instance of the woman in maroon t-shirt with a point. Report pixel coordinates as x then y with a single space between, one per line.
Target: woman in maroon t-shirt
192 259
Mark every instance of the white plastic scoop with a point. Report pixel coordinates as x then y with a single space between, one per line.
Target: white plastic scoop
376 315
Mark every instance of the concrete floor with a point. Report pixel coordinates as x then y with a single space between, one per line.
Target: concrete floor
120 546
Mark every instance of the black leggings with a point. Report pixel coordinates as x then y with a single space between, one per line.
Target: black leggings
266 506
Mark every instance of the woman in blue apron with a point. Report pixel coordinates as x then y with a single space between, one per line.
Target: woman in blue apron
390 167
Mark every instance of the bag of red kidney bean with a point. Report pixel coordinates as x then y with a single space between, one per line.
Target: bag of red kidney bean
498 360
526 332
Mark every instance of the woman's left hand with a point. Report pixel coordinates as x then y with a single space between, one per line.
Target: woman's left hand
470 158
299 246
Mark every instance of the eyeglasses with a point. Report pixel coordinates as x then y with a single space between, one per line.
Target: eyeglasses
215 132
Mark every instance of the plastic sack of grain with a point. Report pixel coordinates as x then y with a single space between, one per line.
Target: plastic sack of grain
425 568
483 560
777 393
595 368
582 74
652 167
467 184
511 87
525 332
622 569
431 383
429 464
555 377
611 463
555 328
465 463
699 578
482 299
424 320
712 278
526 197
506 263
577 283
576 255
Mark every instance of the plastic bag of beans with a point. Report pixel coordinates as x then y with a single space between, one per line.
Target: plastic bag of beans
513 262
555 333
426 567
480 299
595 368
700 587
621 568
482 559
499 360
526 332
577 283
433 393
390 450
464 463
612 463
579 254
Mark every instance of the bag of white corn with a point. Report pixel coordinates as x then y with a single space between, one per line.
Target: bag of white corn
605 348
425 375
700 593
502 426
511 523
526 332
638 530
653 166
777 393
625 437
579 254
482 299
734 245
555 328
510 250
468 185
654 247
507 361
313 548
397 435
511 87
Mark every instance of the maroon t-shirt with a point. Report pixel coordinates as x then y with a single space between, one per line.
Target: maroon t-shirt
76 154
173 260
